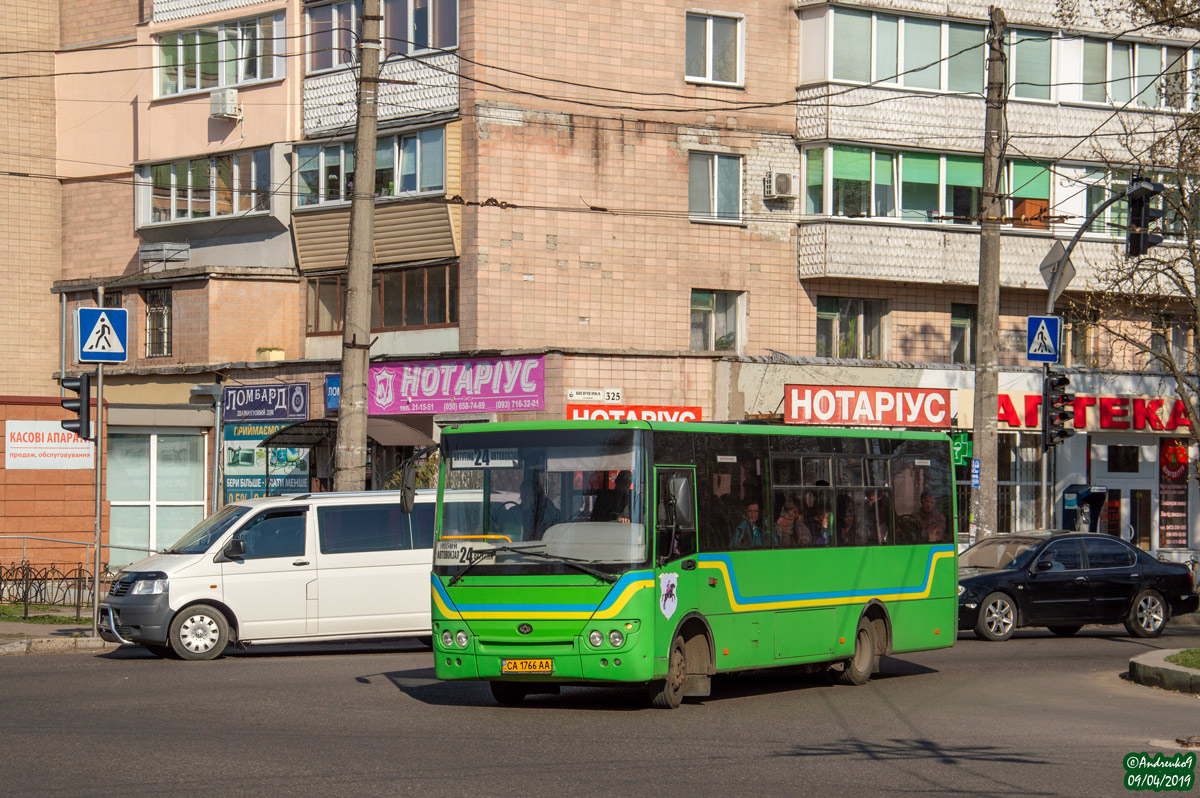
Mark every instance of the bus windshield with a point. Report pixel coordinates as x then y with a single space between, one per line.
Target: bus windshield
544 501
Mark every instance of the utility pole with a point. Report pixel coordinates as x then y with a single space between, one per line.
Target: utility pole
350 452
984 498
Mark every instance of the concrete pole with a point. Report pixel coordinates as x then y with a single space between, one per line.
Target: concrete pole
984 499
350 451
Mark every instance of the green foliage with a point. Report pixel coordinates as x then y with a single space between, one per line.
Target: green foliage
38 614
1188 658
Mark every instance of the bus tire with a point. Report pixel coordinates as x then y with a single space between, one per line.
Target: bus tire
668 693
509 694
858 668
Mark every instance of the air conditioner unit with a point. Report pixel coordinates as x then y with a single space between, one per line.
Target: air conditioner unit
781 185
223 104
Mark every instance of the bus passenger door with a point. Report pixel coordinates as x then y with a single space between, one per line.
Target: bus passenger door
675 545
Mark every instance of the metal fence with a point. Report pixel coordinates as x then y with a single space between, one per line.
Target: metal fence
29 584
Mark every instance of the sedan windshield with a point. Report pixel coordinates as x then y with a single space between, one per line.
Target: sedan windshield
208 531
543 502
999 552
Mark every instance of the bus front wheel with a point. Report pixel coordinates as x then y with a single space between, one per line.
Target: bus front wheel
509 694
858 668
668 693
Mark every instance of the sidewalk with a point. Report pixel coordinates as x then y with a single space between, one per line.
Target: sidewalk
39 638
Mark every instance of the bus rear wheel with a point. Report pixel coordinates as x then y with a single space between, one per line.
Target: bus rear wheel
668 693
858 668
509 694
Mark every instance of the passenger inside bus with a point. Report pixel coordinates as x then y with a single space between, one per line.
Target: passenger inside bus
751 532
931 523
614 504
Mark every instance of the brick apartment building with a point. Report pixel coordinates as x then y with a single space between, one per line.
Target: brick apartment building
582 210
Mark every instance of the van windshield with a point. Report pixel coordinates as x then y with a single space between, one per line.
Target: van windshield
208 531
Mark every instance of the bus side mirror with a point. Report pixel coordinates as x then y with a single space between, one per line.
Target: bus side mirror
680 492
408 487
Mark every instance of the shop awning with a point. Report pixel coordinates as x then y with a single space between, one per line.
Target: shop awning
317 431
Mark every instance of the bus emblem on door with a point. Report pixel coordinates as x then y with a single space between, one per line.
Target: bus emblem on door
668 599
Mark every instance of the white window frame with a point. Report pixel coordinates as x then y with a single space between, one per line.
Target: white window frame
257 195
1013 38
223 30
901 67
152 503
393 49
860 342
707 78
346 55
347 149
712 216
739 311
970 324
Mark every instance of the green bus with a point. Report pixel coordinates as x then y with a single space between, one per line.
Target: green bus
660 554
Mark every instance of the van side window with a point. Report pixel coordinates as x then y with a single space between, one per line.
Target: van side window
421 519
279 533
373 527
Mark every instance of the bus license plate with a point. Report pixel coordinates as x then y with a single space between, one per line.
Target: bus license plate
526 665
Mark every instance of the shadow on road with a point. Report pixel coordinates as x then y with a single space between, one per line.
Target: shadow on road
924 750
267 651
421 685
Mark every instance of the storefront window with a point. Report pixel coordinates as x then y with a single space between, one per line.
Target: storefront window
157 490
1018 477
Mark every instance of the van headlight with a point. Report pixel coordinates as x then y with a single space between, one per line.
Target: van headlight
149 587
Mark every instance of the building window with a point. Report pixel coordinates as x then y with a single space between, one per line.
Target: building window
851 181
850 328
814 181
1029 64
1107 72
113 299
334 30
964 188
1030 194
714 186
409 164
425 296
156 489
414 25
1081 346
962 334
224 185
1101 185
1018 477
1169 340
158 322
1124 459
230 54
919 180
713 49
714 321
905 51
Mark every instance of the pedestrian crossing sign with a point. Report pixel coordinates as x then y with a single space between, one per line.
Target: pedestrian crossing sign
1044 335
101 335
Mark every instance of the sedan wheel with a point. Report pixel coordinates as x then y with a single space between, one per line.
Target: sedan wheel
1147 616
997 617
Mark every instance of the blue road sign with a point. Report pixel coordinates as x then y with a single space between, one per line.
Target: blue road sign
101 335
1044 336
975 472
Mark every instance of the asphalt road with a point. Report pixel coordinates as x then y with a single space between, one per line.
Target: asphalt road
1037 715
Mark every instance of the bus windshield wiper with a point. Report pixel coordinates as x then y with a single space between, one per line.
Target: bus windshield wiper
533 551
577 564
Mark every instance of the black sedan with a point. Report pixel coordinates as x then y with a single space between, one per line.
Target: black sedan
1065 580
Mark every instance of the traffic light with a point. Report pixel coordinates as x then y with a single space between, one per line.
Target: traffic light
1057 409
1138 238
81 425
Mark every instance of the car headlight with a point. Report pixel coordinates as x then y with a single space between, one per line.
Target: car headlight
596 638
616 638
149 587
461 638
961 590
447 639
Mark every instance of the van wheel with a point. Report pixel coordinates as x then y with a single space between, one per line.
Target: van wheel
199 632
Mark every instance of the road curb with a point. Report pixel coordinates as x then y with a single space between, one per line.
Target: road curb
52 645
1153 670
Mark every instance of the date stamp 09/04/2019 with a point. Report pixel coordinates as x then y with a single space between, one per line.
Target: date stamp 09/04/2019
1159 772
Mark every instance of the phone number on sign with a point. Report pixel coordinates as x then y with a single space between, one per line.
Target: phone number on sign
518 404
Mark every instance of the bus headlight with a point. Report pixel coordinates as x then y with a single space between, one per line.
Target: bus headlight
616 638
596 638
447 639
461 638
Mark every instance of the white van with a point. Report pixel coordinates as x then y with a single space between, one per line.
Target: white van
282 569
